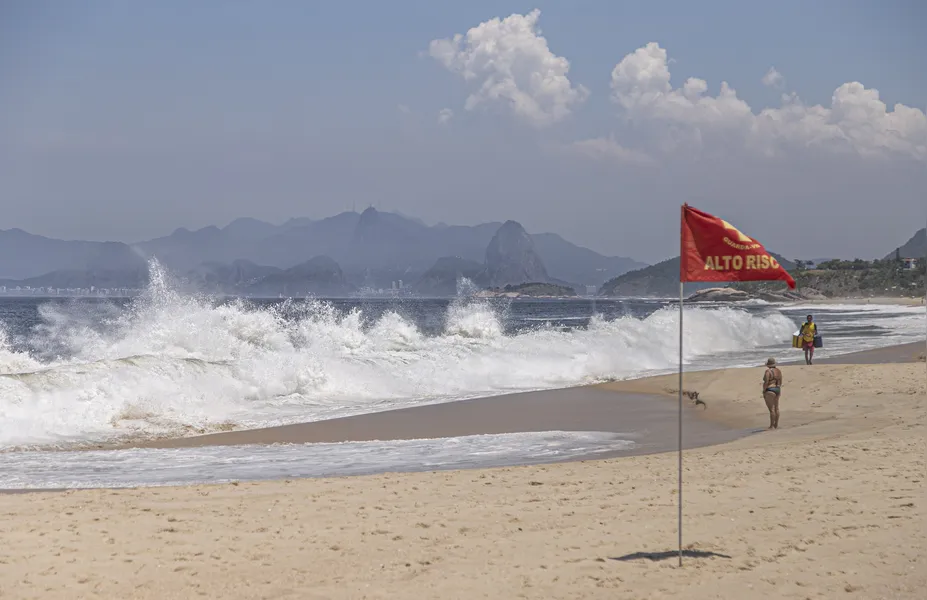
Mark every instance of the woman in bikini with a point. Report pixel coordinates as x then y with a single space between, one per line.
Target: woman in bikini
772 389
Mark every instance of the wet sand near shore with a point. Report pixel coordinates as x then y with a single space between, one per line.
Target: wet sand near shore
649 421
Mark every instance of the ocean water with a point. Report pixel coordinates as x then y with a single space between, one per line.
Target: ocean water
75 371
216 464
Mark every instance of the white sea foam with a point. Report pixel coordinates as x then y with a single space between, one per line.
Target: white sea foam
855 327
218 464
174 363
757 302
14 362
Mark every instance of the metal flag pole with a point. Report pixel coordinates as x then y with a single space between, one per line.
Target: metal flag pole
682 254
680 419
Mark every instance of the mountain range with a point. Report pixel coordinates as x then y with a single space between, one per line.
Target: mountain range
343 253
346 251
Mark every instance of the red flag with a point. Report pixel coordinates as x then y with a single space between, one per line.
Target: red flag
714 250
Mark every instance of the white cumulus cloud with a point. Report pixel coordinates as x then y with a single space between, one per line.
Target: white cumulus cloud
445 115
509 63
856 121
641 85
773 78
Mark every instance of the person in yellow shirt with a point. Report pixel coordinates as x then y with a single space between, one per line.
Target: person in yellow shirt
807 332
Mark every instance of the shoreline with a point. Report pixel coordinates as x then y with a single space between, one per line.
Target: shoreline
583 408
647 420
643 410
531 411
615 407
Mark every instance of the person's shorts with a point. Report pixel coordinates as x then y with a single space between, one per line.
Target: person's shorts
807 345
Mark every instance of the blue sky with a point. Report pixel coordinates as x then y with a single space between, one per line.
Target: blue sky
124 120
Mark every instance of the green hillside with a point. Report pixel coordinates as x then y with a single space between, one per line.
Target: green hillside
851 278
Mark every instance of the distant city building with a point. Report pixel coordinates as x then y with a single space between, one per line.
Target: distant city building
909 263
28 291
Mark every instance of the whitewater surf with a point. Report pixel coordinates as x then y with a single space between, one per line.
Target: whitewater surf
169 363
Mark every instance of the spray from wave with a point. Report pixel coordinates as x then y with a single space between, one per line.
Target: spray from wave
170 363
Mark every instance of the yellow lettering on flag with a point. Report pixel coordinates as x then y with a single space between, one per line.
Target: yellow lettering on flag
741 237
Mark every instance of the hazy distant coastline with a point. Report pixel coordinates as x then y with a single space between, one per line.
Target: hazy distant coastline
385 255
370 253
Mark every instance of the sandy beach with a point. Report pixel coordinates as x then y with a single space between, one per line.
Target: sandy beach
830 505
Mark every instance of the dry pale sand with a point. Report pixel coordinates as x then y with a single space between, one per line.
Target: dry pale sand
831 505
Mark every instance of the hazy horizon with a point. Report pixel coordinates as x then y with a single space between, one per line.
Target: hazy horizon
804 126
674 252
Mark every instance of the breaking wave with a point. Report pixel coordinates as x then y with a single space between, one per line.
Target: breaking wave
170 363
